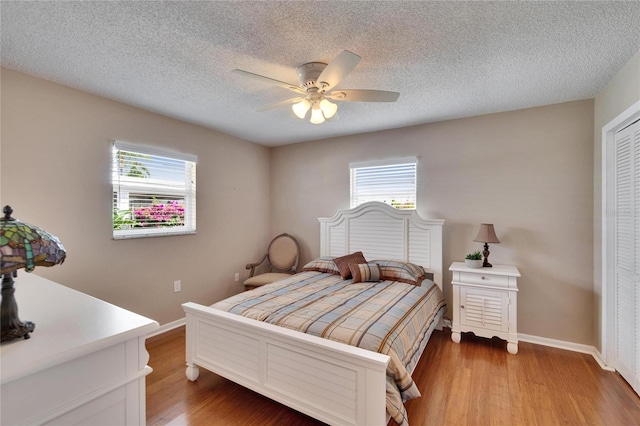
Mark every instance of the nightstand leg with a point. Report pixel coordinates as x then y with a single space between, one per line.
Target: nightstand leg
512 348
455 336
192 372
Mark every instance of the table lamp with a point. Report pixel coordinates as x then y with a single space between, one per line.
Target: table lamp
486 235
22 246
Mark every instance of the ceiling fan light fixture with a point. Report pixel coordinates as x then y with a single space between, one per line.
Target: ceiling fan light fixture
300 109
329 109
316 115
315 90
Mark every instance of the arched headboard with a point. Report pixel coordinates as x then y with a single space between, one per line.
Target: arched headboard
384 232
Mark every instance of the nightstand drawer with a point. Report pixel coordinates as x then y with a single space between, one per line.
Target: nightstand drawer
484 279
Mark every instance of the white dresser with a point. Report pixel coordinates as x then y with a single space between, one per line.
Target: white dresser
485 301
85 363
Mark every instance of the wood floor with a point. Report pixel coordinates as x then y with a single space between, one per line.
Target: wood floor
473 383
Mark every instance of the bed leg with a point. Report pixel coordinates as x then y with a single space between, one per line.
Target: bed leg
192 372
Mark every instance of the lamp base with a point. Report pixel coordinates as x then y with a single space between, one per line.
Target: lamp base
486 253
21 330
12 327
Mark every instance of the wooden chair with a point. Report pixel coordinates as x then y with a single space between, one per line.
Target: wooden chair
282 261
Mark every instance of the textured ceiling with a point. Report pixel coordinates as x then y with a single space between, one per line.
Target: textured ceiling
447 59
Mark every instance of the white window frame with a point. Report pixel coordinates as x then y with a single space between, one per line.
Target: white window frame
124 185
356 199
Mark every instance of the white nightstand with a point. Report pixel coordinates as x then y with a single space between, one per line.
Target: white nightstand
485 301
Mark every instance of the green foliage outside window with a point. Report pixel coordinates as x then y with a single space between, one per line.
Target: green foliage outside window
123 219
129 165
405 205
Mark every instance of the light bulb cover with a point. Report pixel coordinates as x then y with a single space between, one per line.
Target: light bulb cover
329 109
300 109
316 115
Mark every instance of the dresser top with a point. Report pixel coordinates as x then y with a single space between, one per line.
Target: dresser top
508 270
69 324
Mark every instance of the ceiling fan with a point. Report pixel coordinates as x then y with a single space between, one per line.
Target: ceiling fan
317 88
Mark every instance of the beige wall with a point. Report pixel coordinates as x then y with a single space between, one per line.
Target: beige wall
620 93
529 172
56 153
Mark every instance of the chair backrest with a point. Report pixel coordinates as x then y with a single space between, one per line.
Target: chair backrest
284 252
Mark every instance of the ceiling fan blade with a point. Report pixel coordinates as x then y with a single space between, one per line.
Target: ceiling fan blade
268 80
337 70
355 95
279 104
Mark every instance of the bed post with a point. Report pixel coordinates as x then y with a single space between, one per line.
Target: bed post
192 371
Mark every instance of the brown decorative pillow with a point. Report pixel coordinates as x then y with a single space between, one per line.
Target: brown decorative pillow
365 272
343 263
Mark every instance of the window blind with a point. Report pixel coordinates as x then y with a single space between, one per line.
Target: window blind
154 191
389 181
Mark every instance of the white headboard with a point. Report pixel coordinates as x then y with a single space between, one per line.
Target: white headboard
384 232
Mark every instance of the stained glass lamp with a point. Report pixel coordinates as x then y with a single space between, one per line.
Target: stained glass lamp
22 246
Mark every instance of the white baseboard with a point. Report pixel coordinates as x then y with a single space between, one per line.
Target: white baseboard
168 326
569 346
600 360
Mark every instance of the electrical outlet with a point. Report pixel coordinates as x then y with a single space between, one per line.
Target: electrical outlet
237 276
177 285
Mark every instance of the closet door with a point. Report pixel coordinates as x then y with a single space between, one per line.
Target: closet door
627 264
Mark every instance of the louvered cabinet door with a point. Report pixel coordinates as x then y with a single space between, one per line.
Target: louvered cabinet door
487 309
627 254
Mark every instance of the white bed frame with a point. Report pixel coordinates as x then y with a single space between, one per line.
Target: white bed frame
330 381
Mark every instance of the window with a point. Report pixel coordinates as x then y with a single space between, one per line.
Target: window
390 181
154 192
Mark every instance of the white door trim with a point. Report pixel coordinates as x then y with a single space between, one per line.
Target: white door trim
627 117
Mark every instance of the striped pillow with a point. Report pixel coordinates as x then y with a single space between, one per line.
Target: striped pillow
322 264
365 272
393 270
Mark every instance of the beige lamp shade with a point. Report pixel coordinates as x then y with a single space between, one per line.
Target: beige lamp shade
486 234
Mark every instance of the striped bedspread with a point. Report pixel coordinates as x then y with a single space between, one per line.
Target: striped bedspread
391 318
